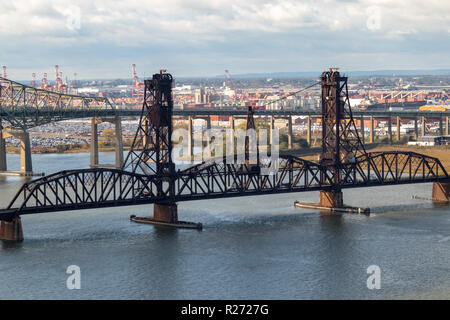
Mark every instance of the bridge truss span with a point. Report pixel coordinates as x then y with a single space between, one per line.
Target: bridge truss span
102 187
23 106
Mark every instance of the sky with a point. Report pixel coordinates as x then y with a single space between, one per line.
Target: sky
101 39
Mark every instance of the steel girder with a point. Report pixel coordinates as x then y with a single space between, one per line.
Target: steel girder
24 107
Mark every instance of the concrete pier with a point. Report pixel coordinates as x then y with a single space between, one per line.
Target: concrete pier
118 142
398 128
3 163
441 192
25 153
416 128
331 199
308 130
390 129
166 215
424 127
363 133
271 127
372 130
231 119
26 166
190 139
11 230
94 142
447 123
289 134
165 212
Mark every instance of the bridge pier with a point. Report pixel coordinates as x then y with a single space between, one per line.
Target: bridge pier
331 201
398 128
423 128
390 129
271 128
363 134
372 130
416 128
289 132
118 142
11 230
3 163
26 166
308 130
231 120
165 212
447 128
441 192
190 139
94 142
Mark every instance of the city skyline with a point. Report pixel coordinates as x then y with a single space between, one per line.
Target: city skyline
101 39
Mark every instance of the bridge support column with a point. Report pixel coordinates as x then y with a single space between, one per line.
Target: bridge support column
165 212
390 129
416 128
3 163
331 199
271 127
308 130
441 192
190 139
25 153
26 165
118 142
447 123
11 230
423 129
398 128
290 132
372 130
205 137
231 120
363 133
94 142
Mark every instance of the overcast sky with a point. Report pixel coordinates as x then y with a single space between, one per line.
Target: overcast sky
101 39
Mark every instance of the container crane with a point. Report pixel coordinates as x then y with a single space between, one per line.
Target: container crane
33 79
44 82
137 91
230 83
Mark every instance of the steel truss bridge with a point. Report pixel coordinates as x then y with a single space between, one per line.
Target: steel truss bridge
24 107
148 174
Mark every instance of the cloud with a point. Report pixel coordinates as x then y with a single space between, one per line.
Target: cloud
233 30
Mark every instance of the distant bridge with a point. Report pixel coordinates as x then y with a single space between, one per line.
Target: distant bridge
24 107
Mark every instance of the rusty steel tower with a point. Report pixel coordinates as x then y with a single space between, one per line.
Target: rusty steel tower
341 143
151 151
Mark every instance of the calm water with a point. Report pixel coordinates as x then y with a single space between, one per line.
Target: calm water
251 248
